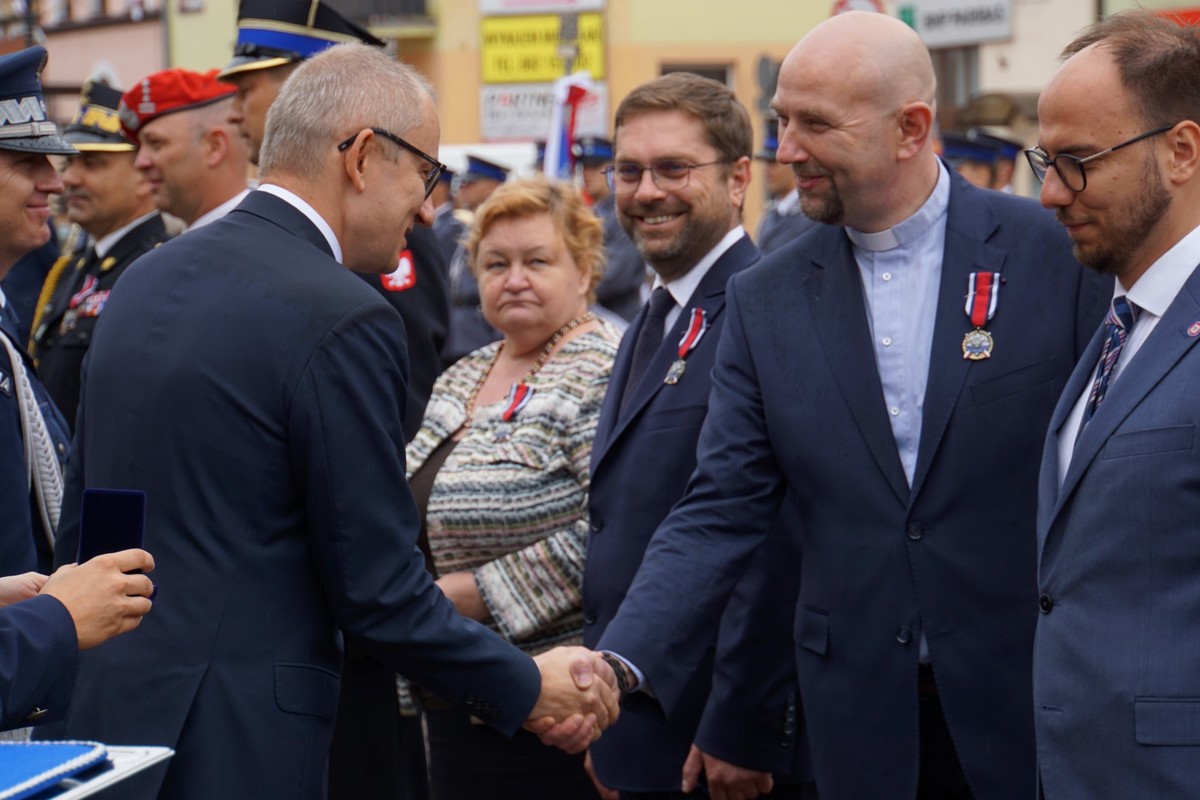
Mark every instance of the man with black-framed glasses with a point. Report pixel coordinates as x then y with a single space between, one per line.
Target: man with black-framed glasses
274 38
1116 666
254 390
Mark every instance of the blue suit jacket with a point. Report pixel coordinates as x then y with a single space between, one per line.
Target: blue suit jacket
797 404
24 544
38 657
1117 659
254 389
640 465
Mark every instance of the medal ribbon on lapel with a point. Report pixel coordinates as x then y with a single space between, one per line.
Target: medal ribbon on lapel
983 295
518 398
696 328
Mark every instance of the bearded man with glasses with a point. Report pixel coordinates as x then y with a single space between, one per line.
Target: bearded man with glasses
1116 662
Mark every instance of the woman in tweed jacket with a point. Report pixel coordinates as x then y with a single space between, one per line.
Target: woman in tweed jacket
500 468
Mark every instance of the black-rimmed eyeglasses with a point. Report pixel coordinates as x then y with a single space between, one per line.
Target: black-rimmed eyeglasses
670 176
1070 168
438 167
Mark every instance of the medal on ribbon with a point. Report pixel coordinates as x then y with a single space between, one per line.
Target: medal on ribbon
691 337
983 294
518 398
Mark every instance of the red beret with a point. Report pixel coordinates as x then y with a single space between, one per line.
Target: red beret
169 91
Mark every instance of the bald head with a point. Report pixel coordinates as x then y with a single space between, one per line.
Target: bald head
855 100
874 58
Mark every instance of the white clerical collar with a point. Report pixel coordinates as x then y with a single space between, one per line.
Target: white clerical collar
913 228
107 243
301 205
682 287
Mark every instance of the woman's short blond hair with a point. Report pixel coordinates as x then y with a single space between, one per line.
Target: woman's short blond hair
579 226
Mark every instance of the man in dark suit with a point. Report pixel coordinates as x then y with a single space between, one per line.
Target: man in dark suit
110 200
45 622
905 422
262 60
1117 662
253 389
686 221
33 434
375 751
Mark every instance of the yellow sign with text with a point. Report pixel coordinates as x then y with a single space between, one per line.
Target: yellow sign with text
531 49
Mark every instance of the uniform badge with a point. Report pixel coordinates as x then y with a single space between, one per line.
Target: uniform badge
983 295
5 385
404 277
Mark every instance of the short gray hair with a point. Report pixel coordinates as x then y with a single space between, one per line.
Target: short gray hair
332 96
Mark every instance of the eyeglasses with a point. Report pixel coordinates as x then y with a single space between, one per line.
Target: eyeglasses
438 167
670 176
1070 168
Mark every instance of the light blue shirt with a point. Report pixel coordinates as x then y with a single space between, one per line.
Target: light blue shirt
901 270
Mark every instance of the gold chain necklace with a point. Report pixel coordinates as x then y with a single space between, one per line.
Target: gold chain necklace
582 319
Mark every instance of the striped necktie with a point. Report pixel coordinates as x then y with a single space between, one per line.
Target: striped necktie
1121 316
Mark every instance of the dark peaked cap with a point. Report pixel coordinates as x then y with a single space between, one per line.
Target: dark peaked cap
97 127
272 33
24 124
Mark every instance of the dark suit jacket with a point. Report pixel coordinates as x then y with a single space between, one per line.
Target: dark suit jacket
64 332
423 300
797 404
1117 659
640 465
776 230
253 388
620 290
38 657
24 544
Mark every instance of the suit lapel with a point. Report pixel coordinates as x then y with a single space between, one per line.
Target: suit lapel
1082 375
834 291
710 296
1168 343
969 224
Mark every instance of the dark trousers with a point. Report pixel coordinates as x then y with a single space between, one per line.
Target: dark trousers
941 776
473 762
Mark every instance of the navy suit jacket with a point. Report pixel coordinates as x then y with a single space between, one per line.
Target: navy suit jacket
640 464
797 404
1117 659
38 657
254 389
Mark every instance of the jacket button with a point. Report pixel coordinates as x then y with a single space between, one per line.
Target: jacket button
1045 603
915 531
597 524
903 634
589 618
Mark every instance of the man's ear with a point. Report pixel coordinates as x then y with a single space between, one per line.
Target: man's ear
739 181
216 146
355 158
915 126
1184 141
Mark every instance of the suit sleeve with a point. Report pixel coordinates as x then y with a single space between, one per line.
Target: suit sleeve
347 453
39 656
700 551
751 717
531 588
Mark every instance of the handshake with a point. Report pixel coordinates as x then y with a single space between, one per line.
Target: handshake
580 697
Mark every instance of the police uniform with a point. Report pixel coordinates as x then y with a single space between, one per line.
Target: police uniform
28 506
620 290
78 288
782 221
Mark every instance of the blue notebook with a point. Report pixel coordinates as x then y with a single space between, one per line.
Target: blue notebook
27 768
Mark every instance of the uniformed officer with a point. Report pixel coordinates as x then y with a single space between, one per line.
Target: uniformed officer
974 160
782 220
1007 150
620 290
111 200
33 434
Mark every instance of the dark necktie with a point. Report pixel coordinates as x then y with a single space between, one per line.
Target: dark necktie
649 339
1117 325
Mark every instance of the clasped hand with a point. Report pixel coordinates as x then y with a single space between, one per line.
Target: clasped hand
579 698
